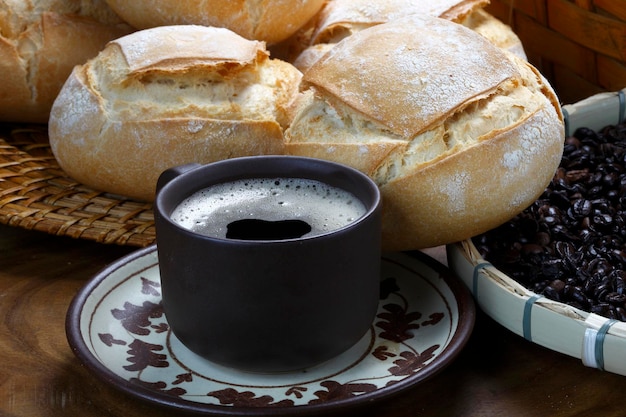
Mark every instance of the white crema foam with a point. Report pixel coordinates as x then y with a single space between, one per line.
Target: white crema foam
324 207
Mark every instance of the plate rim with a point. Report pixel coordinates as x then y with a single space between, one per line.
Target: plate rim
466 320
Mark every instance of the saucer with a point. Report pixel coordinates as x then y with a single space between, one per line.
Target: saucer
116 326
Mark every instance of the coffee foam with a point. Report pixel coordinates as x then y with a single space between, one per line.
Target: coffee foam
323 207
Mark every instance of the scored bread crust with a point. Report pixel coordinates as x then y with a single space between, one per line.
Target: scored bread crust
470 192
458 134
341 16
165 97
339 19
496 31
421 83
40 43
266 20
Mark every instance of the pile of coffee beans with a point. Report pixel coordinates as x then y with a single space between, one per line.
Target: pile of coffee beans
570 244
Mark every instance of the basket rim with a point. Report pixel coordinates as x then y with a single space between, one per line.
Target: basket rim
599 342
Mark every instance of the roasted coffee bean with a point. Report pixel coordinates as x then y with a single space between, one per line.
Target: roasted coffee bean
570 244
575 295
542 238
530 249
600 292
565 249
615 298
560 199
552 268
599 266
552 293
593 286
580 208
576 175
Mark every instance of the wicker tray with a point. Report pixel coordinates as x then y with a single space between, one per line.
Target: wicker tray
36 194
598 341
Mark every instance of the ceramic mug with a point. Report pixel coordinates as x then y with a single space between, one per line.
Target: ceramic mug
269 304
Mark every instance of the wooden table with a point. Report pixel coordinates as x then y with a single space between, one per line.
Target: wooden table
497 374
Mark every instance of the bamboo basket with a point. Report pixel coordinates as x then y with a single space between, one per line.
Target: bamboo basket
578 45
598 341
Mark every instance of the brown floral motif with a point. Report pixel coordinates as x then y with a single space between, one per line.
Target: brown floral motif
159 386
433 319
135 319
144 354
296 391
382 353
336 391
161 327
186 377
412 362
109 340
149 287
230 396
397 323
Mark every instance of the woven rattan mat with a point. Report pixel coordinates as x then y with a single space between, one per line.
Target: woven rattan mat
36 194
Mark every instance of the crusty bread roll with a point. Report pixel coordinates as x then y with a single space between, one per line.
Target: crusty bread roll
266 20
496 31
168 96
459 135
40 42
339 19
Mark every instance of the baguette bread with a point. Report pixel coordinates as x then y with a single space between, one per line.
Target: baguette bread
40 42
270 21
459 134
168 96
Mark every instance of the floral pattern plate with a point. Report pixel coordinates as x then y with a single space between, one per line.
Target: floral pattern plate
117 328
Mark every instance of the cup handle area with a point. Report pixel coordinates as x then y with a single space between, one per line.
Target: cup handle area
171 173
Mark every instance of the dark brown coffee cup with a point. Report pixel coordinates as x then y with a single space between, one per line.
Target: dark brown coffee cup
264 304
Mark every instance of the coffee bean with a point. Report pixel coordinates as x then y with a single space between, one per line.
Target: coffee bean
570 244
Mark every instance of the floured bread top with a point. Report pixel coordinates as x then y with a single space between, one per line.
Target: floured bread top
340 18
496 31
171 49
16 16
421 88
181 72
271 21
423 85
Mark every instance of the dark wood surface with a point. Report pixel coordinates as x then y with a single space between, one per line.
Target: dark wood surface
497 374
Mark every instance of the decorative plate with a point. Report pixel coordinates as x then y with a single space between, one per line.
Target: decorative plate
117 328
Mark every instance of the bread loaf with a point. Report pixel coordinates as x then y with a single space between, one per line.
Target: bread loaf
459 134
266 20
339 19
168 96
40 42
495 31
